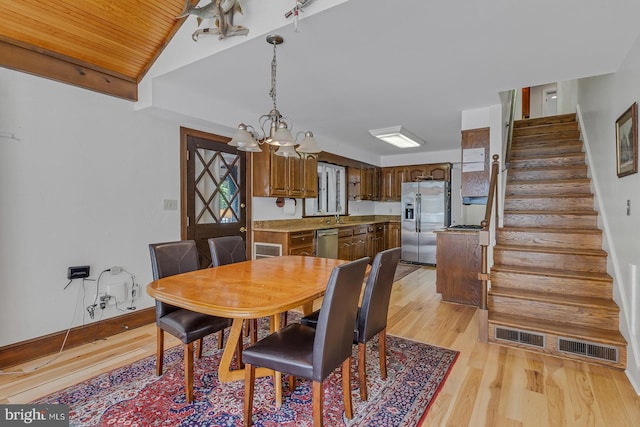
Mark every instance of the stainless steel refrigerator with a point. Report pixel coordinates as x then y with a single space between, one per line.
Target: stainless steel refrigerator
426 207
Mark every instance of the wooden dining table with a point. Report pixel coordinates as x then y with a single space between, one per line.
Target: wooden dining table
252 289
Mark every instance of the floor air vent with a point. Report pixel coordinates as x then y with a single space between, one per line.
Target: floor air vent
519 336
588 349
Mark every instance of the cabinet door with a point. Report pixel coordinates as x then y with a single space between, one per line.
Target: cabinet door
400 176
393 235
415 172
355 185
376 184
388 181
359 246
476 182
277 174
365 184
310 183
295 175
344 249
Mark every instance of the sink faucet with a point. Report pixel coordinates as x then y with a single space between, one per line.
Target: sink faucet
337 215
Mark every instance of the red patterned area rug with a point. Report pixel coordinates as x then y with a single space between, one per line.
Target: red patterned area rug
134 396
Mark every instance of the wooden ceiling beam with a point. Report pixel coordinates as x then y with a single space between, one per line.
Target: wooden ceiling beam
65 70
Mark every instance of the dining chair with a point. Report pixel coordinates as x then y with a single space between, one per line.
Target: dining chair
372 314
313 353
168 259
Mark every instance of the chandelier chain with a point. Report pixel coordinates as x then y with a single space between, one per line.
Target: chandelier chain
272 92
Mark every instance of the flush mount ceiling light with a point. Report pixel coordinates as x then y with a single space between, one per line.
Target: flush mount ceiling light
247 138
398 136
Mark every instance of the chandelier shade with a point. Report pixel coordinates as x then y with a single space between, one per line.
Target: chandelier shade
273 129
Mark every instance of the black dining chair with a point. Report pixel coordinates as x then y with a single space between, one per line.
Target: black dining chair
168 259
313 353
372 314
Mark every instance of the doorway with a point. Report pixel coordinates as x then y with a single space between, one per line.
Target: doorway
549 102
213 196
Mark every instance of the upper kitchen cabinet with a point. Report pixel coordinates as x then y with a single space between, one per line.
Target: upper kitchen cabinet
277 176
364 183
475 165
393 177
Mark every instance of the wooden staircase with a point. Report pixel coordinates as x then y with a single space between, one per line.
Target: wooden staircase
550 291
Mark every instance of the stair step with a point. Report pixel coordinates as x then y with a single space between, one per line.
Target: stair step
567 172
551 219
567 309
535 202
525 151
541 121
550 237
570 159
578 259
549 186
555 136
546 128
568 282
553 331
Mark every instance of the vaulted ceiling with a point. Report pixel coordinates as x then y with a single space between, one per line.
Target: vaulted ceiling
351 66
103 45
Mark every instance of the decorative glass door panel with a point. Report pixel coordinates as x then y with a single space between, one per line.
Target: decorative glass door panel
215 193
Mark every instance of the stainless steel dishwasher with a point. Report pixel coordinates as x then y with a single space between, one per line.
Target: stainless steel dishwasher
327 243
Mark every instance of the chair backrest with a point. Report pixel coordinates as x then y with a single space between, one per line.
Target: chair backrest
171 258
334 332
227 250
372 317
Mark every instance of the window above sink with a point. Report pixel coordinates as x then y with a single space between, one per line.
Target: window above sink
332 192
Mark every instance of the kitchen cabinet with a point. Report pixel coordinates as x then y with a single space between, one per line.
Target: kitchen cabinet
475 171
393 177
375 239
290 243
392 237
345 248
359 241
276 176
458 263
364 183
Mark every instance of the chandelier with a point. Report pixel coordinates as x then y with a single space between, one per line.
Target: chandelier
273 127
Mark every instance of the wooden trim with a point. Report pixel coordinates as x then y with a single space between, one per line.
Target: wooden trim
24 351
66 70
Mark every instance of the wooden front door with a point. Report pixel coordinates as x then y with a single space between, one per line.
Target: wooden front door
213 195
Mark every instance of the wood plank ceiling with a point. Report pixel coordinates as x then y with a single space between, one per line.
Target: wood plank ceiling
102 45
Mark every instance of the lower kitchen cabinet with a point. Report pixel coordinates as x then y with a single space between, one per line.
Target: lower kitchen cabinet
458 262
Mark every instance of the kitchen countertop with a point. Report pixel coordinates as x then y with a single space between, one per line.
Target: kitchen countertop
312 224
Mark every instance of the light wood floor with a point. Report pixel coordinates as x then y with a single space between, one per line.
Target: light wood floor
488 386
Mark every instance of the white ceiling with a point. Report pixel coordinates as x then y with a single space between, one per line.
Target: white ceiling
367 64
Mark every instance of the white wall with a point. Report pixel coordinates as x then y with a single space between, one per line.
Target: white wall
601 101
84 185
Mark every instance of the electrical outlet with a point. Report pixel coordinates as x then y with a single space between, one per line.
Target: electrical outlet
170 205
78 272
104 299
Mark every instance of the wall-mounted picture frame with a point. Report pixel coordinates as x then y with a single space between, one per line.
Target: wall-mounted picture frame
627 142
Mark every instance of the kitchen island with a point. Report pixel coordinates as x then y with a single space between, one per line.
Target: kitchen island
458 262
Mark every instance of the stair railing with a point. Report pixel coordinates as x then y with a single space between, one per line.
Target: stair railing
485 240
512 117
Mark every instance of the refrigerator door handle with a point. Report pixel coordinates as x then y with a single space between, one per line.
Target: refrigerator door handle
418 211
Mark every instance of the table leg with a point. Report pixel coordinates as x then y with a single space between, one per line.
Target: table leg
225 373
307 308
277 377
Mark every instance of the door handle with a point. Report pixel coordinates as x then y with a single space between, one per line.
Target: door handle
243 229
